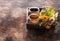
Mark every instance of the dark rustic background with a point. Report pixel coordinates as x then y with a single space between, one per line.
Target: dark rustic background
12 20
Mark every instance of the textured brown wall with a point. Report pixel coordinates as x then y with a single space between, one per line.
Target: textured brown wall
12 19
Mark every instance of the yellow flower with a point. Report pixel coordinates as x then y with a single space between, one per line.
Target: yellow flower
45 18
41 15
